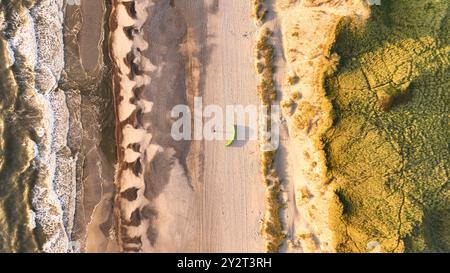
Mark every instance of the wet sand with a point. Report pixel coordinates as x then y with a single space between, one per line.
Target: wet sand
90 34
89 102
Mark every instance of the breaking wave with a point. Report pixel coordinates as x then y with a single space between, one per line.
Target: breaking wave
34 53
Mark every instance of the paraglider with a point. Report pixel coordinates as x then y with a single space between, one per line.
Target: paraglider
231 136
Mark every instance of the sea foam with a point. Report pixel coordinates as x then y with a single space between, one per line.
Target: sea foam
38 39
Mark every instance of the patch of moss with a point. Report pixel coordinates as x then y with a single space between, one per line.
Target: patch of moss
388 147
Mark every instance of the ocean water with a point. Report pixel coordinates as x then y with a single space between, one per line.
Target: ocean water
32 54
40 166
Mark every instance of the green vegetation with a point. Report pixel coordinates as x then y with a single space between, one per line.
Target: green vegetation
293 79
259 12
304 115
265 55
272 228
388 148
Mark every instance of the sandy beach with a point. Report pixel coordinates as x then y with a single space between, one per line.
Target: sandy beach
193 186
232 192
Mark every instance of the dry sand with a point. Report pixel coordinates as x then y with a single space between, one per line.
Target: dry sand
307 31
195 195
219 209
232 192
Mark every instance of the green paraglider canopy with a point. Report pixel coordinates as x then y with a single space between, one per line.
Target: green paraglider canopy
231 136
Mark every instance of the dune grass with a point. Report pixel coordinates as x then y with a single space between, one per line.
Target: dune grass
272 228
259 12
388 147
